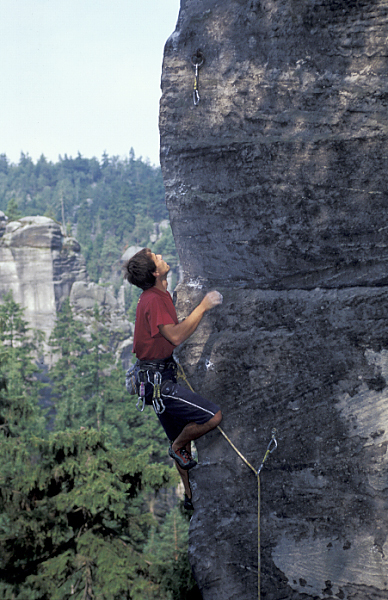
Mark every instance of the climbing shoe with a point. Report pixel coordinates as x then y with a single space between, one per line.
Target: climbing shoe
188 503
183 458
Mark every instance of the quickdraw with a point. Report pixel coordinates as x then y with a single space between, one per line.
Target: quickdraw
273 444
140 404
197 62
157 401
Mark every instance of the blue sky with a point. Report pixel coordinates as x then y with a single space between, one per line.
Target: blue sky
82 76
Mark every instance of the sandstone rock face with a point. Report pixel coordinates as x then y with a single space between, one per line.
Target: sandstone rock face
276 184
39 265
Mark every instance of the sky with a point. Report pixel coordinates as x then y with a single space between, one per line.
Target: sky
82 76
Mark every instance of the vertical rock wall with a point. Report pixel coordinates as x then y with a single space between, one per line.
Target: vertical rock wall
277 190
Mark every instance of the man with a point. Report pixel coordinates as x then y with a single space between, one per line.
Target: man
184 415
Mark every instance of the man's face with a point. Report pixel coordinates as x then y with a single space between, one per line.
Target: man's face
161 266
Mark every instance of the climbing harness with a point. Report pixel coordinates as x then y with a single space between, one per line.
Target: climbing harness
139 375
197 62
157 401
270 448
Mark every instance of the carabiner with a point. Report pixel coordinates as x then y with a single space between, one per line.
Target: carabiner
139 400
270 448
272 441
196 97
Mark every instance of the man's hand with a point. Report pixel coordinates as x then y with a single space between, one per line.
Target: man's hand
211 300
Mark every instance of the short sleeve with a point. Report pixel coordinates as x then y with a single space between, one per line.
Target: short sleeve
158 313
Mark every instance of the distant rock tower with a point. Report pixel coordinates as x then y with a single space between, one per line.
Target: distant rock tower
39 264
42 267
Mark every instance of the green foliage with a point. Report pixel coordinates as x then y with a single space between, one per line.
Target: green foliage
169 566
19 390
77 375
71 526
12 211
73 503
90 390
75 520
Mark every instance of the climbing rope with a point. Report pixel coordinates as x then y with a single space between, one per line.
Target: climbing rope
270 448
197 62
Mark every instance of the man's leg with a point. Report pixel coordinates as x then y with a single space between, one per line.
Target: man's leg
186 406
193 431
185 475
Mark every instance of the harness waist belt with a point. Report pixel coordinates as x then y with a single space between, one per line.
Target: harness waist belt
157 365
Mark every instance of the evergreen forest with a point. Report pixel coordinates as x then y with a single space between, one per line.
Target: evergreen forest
107 205
88 502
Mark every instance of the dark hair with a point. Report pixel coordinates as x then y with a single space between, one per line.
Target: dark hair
139 270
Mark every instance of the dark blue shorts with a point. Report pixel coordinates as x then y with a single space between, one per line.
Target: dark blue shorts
182 406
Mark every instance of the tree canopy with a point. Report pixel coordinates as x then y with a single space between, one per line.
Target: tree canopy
107 204
75 489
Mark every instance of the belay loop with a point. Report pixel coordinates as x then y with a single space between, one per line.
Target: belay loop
197 62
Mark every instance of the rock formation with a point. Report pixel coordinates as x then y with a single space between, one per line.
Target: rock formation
276 184
42 267
39 264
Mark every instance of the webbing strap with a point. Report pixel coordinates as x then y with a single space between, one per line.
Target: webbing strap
270 448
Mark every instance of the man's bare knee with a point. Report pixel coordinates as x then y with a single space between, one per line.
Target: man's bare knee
216 420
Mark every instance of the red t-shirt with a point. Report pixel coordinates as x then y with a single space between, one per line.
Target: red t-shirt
153 309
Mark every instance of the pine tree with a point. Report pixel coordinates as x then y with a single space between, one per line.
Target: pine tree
19 396
70 382
13 213
72 526
169 566
90 391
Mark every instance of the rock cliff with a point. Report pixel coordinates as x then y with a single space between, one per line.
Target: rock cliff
276 184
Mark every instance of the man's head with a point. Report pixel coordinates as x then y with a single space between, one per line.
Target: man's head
144 267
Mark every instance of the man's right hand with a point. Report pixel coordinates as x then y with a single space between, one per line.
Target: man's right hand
176 334
212 299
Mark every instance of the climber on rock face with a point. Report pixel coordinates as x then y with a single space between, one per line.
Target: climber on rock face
184 415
